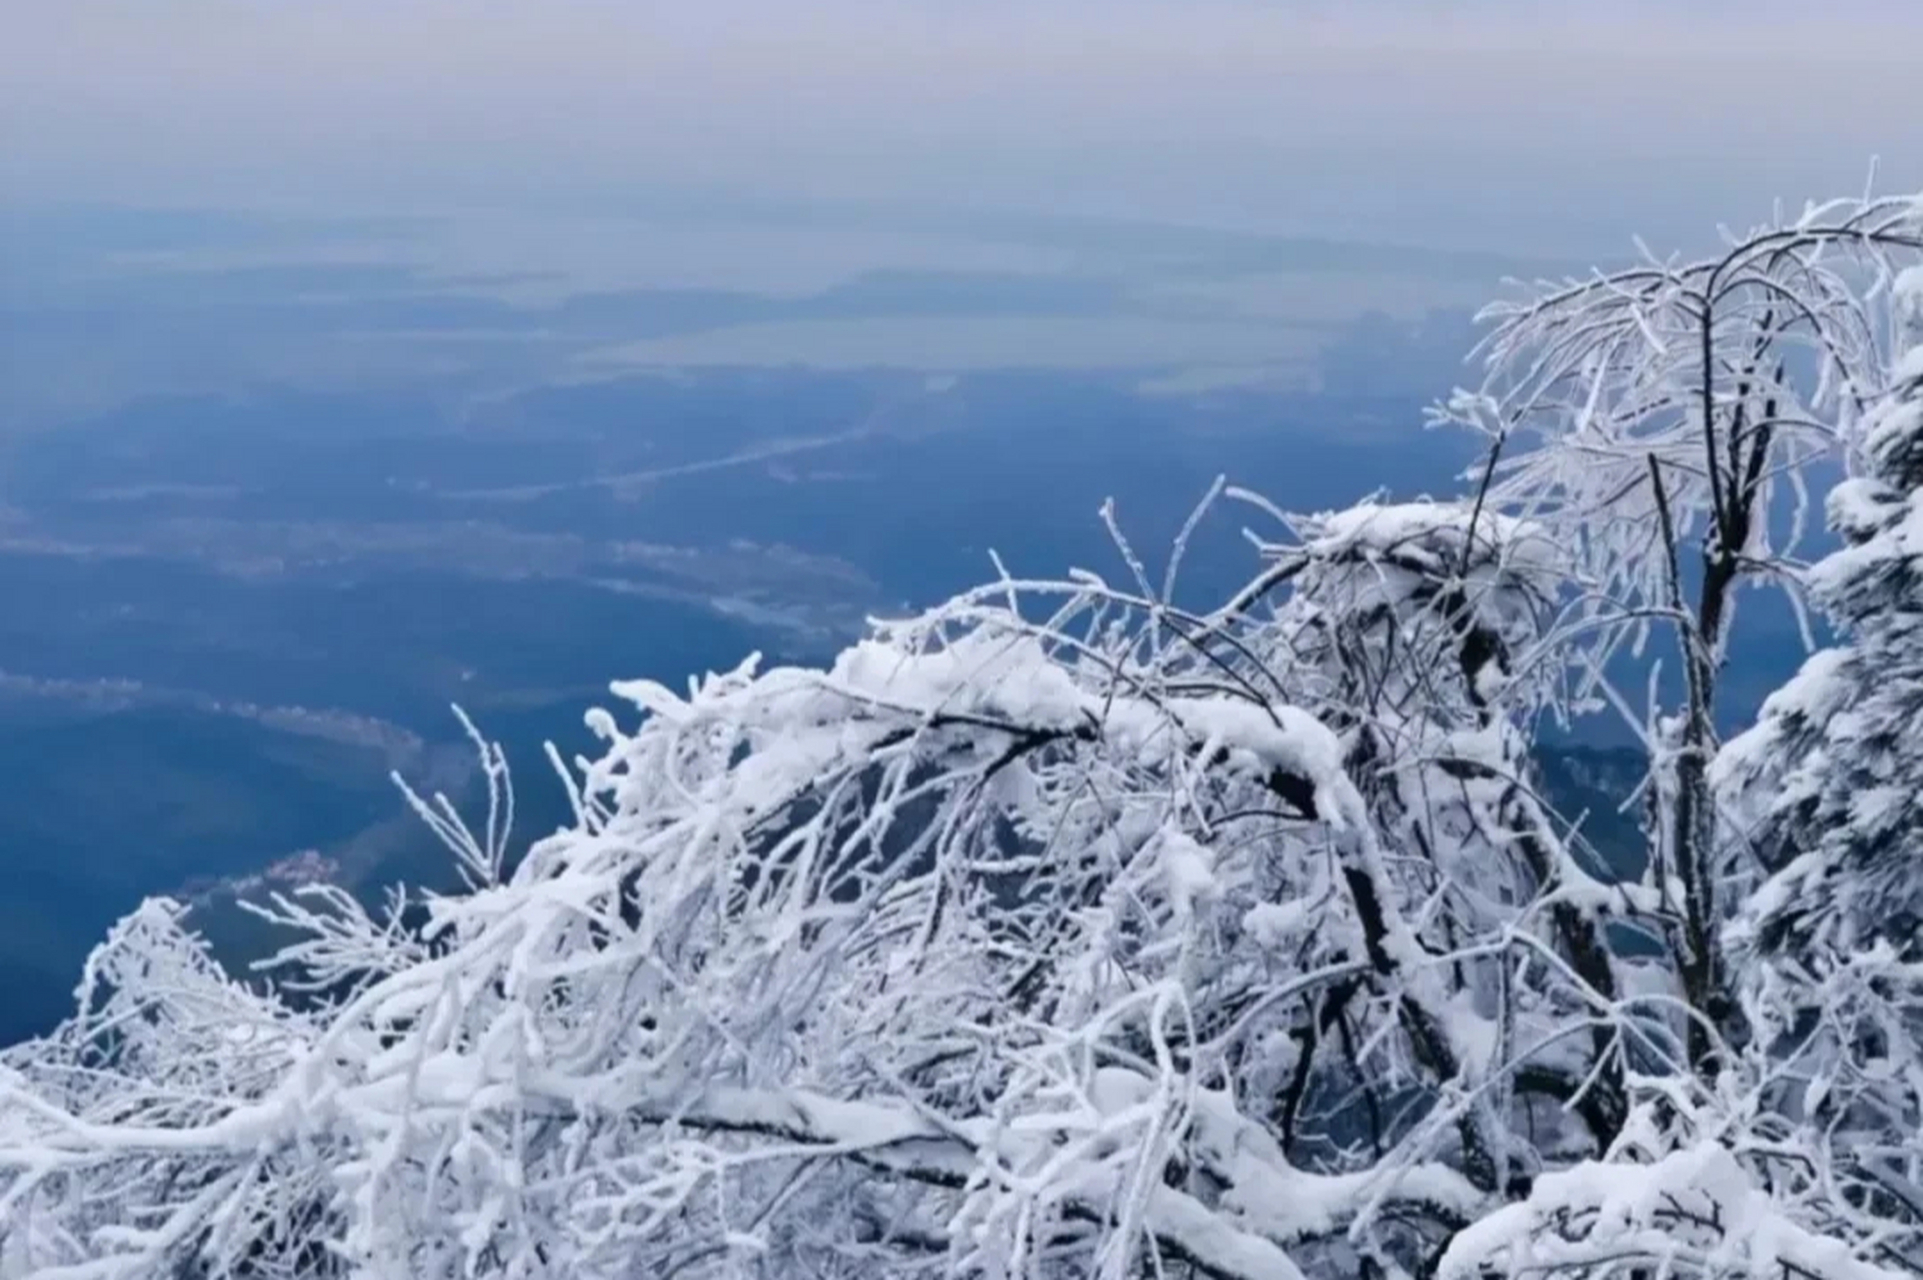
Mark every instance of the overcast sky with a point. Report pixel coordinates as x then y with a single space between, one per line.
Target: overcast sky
1539 126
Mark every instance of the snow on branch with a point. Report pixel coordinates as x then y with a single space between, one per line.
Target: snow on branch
1729 375
1695 1212
916 914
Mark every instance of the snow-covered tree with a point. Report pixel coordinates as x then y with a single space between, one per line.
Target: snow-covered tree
1824 789
1046 934
1664 406
1416 628
1823 802
1678 405
1061 932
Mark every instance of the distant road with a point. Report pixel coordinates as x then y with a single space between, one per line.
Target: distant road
870 426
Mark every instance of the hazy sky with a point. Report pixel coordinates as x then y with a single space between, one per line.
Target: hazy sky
1539 126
